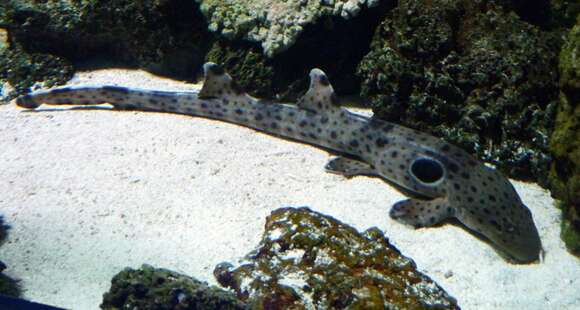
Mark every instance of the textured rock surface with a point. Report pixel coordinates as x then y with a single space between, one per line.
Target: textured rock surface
472 73
565 142
160 35
333 44
274 24
309 260
153 288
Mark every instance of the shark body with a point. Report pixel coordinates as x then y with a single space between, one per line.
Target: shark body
448 182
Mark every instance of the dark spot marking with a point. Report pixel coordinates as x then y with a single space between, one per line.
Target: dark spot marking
456 186
204 106
453 167
492 198
303 124
388 127
333 134
473 189
470 199
324 120
354 143
465 175
445 148
259 117
495 224
274 125
239 112
394 154
486 211
381 142
324 80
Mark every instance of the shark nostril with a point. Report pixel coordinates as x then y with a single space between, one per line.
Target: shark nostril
427 170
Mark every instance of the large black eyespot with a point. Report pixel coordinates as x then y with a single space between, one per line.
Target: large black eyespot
427 170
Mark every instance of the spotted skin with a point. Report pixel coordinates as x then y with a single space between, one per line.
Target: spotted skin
449 181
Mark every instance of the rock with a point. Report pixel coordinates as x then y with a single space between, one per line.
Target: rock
276 25
154 288
474 74
332 43
309 260
161 36
565 142
21 71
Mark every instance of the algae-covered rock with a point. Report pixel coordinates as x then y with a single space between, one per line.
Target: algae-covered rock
307 260
163 36
274 24
472 73
245 62
154 288
21 71
333 44
565 141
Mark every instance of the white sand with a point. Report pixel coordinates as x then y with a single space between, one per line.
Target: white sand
88 192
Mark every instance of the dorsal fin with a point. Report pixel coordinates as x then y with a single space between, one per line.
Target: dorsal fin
218 83
320 96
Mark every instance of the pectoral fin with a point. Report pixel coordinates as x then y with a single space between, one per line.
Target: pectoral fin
422 213
349 167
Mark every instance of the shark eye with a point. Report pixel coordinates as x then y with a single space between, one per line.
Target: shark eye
427 170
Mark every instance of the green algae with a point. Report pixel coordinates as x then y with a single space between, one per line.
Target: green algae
565 142
472 73
309 260
245 62
155 288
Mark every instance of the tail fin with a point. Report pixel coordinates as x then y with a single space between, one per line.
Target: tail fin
84 95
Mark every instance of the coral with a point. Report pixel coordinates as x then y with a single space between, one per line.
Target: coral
309 260
154 288
274 24
565 141
472 73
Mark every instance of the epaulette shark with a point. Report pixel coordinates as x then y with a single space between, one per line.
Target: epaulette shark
443 180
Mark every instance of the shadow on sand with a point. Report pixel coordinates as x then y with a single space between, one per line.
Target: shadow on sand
8 286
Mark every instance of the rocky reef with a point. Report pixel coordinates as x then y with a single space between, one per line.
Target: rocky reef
166 37
276 25
472 73
565 141
309 260
154 288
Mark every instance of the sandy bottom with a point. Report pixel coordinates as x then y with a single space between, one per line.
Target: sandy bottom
89 192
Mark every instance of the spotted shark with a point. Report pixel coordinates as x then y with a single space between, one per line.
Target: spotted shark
442 180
